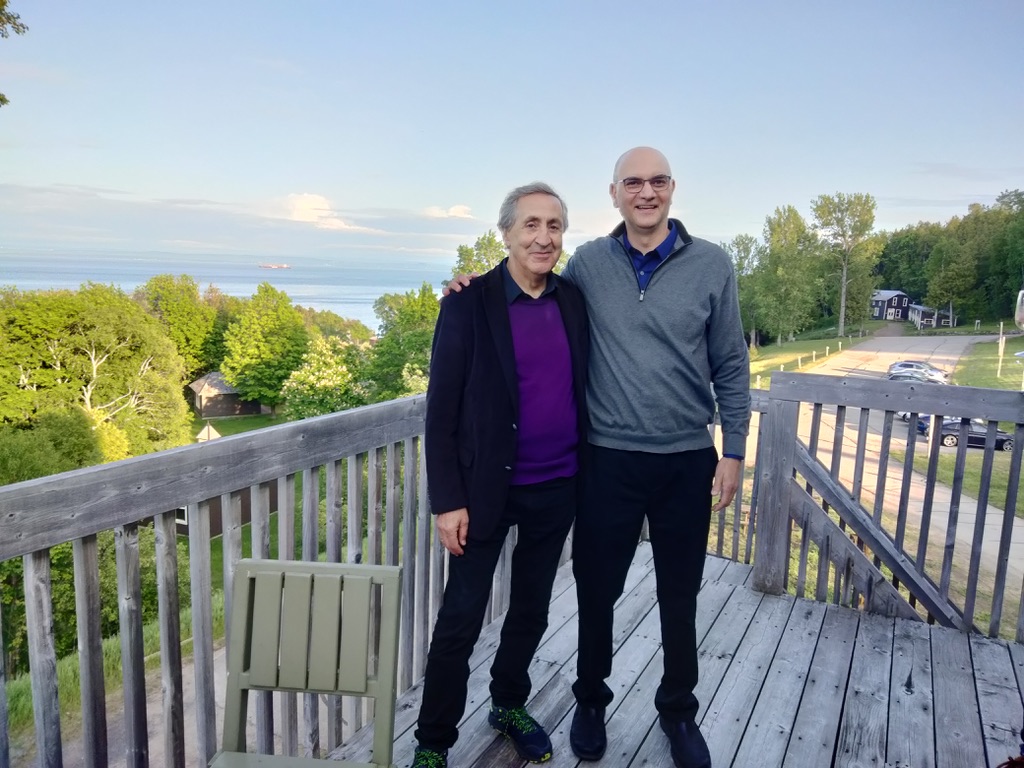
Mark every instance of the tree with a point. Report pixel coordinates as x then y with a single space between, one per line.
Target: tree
327 323
486 253
227 309
746 253
331 378
264 346
189 321
787 281
9 22
951 275
97 349
844 221
403 352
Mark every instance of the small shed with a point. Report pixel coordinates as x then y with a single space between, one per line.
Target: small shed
213 396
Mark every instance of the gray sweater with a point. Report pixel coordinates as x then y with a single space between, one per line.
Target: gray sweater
655 354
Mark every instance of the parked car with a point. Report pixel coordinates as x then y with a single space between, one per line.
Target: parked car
977 429
913 376
928 370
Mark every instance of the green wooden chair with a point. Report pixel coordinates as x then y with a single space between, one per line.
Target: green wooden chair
305 627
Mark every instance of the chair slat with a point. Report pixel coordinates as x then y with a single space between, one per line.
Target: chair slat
355 633
266 620
323 641
295 629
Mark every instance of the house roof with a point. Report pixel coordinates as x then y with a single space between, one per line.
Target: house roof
885 295
212 383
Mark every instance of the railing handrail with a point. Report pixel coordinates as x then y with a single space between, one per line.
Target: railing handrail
103 497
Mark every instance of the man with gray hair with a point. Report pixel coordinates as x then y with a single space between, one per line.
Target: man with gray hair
506 417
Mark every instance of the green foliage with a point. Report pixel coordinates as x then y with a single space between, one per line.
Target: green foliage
330 378
227 309
407 328
9 22
787 286
51 443
486 253
327 323
845 223
188 320
95 349
264 345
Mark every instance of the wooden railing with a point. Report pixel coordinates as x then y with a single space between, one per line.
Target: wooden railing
367 464
886 535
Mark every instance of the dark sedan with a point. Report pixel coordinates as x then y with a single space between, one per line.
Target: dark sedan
977 430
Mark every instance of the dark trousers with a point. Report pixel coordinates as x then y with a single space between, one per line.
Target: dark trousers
544 513
673 491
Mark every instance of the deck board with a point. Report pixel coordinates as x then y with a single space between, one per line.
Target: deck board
784 682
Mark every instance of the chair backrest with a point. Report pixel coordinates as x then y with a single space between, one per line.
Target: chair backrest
306 627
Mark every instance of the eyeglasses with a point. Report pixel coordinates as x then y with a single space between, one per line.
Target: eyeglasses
633 185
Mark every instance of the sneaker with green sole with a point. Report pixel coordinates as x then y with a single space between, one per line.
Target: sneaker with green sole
525 733
430 758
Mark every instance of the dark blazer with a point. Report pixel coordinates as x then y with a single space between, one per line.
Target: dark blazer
473 397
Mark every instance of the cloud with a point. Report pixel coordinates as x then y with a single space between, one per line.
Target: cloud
455 212
314 209
963 172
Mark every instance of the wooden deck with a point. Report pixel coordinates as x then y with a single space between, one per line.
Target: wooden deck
784 682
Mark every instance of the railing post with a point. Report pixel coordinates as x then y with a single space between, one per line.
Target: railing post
772 517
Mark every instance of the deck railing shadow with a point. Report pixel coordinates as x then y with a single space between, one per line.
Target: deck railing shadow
825 512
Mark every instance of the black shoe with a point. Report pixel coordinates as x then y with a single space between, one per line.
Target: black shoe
587 735
430 758
525 733
689 750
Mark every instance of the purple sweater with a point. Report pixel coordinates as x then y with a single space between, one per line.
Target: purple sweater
547 430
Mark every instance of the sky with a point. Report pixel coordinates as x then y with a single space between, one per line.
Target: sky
375 129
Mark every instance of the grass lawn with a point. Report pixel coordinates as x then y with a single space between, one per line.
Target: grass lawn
233 425
794 356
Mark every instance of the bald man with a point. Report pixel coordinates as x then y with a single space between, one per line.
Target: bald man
664 327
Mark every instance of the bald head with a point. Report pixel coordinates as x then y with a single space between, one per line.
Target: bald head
642 156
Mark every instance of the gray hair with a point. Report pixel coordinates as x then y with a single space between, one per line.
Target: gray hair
507 212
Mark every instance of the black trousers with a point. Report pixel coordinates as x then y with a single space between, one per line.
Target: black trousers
673 491
544 513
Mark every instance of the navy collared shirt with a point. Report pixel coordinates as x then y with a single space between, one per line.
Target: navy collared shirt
644 264
512 289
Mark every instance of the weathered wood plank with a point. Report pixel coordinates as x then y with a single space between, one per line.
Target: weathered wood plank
133 672
862 731
770 726
335 531
285 551
42 513
231 548
407 670
816 726
42 658
310 552
169 608
1005 533
351 708
882 395
728 713
771 565
90 654
911 732
5 745
202 629
392 501
880 544
958 737
999 698
880 595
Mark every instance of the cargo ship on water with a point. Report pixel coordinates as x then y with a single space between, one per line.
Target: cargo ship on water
275 266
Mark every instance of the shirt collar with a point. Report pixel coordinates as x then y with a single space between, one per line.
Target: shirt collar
664 249
512 289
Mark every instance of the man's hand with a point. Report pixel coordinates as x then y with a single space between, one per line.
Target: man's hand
452 528
727 482
458 283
